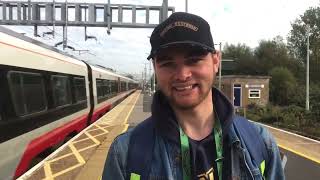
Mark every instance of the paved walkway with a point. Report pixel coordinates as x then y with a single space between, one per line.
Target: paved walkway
297 144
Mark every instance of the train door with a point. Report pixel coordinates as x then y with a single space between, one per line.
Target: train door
119 85
237 95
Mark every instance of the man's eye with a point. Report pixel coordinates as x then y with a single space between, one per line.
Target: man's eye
194 59
166 64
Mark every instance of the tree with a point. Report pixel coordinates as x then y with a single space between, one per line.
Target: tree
243 57
269 54
297 40
283 86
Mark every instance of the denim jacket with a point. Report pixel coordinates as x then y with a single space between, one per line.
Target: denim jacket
166 161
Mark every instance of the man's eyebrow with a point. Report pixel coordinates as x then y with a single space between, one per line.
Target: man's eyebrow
196 53
160 58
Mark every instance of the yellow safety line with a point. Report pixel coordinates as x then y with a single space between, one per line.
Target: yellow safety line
90 130
92 138
118 109
79 150
71 154
67 170
60 157
84 139
125 128
47 170
77 154
126 119
299 153
83 149
99 127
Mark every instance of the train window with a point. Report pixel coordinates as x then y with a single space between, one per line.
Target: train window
61 90
114 86
123 86
99 83
27 91
80 89
107 87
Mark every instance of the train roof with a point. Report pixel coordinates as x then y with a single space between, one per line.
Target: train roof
51 48
107 71
33 41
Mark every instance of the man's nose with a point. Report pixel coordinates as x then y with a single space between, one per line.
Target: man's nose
183 73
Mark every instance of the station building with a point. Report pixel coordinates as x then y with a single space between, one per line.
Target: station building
243 90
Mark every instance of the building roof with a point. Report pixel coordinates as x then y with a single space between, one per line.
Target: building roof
244 77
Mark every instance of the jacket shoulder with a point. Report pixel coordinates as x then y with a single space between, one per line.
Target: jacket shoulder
265 134
275 167
115 164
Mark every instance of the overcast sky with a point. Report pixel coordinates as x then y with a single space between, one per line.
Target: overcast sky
231 21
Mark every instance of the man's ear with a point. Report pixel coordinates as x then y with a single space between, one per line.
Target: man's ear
153 63
216 58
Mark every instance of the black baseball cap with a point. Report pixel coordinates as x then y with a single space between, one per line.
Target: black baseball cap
181 29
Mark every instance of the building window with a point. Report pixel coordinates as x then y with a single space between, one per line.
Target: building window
80 89
27 92
254 93
61 90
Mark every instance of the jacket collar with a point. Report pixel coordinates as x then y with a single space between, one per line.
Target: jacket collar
167 125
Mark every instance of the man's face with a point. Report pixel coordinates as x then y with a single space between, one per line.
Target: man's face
185 75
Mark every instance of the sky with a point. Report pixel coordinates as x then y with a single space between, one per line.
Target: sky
231 21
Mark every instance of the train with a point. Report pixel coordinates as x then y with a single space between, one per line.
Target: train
47 97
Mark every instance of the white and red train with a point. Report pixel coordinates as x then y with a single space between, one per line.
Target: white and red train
46 97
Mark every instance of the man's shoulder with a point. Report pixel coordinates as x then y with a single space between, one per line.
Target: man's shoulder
121 142
261 129
265 134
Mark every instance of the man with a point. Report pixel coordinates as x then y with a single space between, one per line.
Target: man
188 116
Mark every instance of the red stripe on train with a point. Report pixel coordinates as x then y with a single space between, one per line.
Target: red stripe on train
38 145
100 112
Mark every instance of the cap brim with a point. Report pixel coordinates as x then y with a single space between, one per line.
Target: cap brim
181 43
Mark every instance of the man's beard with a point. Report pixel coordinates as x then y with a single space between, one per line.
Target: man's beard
173 102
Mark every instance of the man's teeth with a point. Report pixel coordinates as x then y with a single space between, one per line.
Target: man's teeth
183 88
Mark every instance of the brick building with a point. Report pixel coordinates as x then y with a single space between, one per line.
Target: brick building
243 90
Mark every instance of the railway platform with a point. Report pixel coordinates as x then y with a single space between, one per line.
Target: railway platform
84 155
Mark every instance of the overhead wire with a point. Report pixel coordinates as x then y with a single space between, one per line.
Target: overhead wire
29 29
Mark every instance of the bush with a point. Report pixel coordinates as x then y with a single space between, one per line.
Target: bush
290 117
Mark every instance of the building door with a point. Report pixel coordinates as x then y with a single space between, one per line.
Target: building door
237 95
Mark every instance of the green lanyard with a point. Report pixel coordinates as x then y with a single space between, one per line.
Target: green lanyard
185 152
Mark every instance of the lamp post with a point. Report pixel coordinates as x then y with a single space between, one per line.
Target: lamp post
307 70
220 64
186 5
